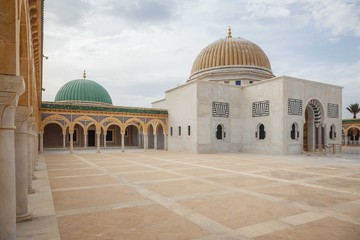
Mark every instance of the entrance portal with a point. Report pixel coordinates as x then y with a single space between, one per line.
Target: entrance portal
313 131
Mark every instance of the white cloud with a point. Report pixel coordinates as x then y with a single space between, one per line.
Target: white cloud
337 16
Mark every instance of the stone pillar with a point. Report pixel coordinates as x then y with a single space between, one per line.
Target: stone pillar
319 137
155 141
21 163
98 141
31 153
71 141
105 132
122 141
11 87
64 139
139 139
85 139
165 142
41 135
145 141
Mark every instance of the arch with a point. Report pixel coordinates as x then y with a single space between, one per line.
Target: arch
156 123
317 108
133 121
260 132
53 119
112 121
85 118
160 144
349 127
313 130
332 132
151 133
220 132
353 134
131 137
53 135
294 132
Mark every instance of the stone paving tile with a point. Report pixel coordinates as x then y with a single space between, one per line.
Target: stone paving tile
140 223
240 181
96 196
288 175
243 168
199 172
56 183
237 210
73 172
149 176
181 187
341 183
323 229
66 166
310 196
129 169
330 170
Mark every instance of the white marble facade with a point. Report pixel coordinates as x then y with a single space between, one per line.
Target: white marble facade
277 103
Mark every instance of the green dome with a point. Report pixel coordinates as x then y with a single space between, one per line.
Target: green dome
83 90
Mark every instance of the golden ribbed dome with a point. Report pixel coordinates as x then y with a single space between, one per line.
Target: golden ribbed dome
231 52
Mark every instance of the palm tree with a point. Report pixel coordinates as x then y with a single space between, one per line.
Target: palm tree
354 109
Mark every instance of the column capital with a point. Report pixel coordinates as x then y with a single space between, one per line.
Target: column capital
11 87
21 119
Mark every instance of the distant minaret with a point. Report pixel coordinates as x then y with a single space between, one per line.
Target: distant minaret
84 74
229 32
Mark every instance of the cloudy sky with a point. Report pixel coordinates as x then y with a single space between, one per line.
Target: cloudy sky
138 49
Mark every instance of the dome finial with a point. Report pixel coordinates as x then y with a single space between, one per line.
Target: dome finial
229 32
84 74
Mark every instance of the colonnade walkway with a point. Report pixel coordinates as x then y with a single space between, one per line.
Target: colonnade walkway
165 195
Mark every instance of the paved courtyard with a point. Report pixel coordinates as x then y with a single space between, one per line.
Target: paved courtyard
164 195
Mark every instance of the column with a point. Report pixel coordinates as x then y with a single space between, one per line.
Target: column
11 87
165 142
139 139
155 141
319 137
122 141
64 139
21 163
98 142
31 154
71 132
105 132
145 135
41 134
85 139
34 163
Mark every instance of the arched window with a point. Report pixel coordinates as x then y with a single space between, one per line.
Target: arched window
294 133
260 133
332 133
219 132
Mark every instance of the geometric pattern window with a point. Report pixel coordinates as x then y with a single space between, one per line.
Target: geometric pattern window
294 106
261 108
333 110
220 109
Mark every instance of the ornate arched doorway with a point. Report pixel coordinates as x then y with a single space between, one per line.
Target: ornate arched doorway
313 131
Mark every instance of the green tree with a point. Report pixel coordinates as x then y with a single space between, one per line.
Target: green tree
354 109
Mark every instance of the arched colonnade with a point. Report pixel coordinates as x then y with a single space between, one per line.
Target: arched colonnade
85 131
